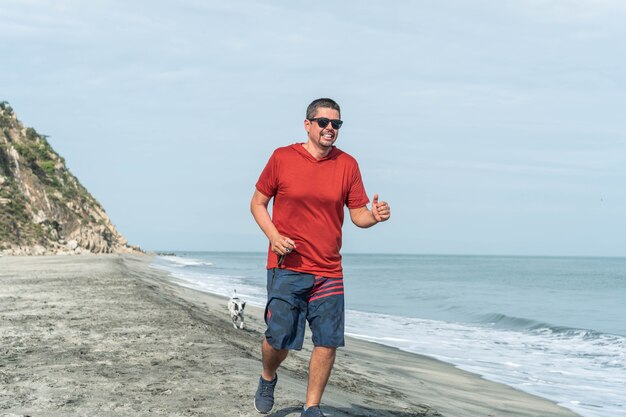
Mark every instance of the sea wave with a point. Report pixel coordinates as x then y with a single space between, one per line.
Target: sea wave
535 357
506 322
202 276
181 262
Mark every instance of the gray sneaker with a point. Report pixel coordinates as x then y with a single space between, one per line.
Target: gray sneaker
314 411
264 397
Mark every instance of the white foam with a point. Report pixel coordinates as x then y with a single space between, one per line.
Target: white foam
214 283
568 369
178 261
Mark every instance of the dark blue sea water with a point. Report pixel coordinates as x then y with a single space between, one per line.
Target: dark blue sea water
554 327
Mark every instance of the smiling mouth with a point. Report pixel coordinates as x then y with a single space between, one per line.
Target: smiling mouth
328 136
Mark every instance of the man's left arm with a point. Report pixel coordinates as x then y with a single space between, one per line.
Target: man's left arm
363 217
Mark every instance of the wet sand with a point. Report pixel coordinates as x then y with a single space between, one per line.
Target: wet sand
109 336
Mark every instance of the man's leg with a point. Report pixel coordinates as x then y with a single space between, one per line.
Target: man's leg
326 319
320 366
264 396
272 358
285 316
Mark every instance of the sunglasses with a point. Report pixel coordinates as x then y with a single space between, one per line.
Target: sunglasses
323 122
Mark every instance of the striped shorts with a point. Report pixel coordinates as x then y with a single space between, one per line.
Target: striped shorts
295 298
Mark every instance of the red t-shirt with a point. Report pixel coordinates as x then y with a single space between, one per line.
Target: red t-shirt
309 196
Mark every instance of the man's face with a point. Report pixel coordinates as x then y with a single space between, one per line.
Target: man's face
324 138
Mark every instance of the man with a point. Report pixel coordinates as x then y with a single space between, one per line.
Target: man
310 183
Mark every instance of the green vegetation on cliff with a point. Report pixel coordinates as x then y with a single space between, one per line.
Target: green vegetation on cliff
41 202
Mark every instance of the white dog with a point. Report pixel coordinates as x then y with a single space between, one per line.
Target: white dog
235 308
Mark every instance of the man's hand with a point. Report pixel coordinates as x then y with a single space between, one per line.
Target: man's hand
282 245
363 217
381 211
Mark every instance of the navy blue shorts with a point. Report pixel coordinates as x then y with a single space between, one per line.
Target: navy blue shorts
295 298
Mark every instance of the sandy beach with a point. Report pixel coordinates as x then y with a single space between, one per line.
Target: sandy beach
109 336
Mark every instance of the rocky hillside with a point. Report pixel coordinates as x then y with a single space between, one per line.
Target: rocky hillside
43 207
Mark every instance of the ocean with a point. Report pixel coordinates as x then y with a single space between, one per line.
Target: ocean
551 326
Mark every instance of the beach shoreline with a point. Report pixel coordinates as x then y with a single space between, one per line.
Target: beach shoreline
109 335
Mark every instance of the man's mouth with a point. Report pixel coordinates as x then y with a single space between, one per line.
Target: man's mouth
328 135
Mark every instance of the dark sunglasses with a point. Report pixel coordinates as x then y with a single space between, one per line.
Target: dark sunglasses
323 122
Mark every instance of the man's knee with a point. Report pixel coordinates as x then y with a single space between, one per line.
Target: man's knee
268 345
271 351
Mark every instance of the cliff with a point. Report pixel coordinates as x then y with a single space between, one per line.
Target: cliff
43 207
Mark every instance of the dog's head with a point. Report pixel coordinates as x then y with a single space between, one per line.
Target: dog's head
236 305
240 305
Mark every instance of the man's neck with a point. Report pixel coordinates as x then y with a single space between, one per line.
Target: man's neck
317 152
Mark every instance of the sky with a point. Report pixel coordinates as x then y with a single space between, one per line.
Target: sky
490 127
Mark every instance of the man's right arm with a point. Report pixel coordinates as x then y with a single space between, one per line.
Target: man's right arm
281 245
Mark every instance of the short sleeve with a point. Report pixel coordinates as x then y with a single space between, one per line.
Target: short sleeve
268 181
357 197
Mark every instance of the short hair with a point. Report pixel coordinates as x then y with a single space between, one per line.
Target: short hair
326 103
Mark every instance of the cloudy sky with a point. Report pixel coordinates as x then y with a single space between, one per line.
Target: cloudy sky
491 127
